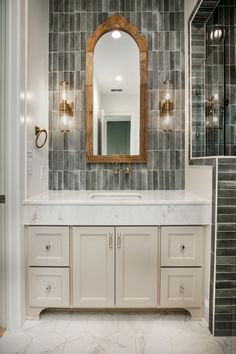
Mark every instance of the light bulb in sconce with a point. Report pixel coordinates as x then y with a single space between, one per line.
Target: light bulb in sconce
65 107
215 119
167 95
166 107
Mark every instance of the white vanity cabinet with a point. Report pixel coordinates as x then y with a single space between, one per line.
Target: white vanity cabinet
181 266
122 258
115 267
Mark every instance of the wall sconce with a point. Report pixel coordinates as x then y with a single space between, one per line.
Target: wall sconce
66 106
214 113
166 107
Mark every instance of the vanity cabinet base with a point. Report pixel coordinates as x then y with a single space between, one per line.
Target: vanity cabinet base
105 268
34 313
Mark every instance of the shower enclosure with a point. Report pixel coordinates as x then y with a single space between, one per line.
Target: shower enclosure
212 93
213 80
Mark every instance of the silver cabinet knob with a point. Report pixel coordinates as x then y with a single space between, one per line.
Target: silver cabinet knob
48 247
181 289
48 288
182 248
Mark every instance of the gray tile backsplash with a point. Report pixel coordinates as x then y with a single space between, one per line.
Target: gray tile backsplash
162 24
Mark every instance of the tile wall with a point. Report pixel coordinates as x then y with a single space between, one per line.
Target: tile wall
162 24
225 293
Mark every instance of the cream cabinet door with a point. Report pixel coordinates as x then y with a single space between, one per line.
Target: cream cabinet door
93 266
136 266
181 246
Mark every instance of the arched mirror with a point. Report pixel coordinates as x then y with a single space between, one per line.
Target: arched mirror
116 89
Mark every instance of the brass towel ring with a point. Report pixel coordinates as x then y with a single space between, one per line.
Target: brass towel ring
38 131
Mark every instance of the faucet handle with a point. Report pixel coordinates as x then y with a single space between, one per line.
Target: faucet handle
116 169
127 170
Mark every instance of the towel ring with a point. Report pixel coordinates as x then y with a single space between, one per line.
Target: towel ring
38 132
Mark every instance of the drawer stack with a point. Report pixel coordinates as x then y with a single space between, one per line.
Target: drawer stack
181 266
48 266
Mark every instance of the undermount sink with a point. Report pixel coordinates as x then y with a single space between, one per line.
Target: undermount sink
116 196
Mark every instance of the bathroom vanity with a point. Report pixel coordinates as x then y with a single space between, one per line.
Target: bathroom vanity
115 250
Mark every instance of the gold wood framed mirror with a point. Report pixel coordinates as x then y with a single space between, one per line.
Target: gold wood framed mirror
116 93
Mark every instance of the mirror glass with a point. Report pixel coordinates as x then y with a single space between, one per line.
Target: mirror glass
116 95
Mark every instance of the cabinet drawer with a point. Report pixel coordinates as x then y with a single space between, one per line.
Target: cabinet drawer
181 287
181 246
48 246
48 287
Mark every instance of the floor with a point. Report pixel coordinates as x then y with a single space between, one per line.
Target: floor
115 333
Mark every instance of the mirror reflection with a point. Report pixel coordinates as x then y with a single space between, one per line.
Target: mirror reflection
116 95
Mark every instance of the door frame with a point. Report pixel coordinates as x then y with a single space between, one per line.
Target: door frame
13 276
2 164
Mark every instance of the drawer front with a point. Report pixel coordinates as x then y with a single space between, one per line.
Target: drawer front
181 246
48 246
181 287
49 287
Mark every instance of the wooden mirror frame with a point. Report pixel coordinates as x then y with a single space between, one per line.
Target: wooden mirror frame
116 22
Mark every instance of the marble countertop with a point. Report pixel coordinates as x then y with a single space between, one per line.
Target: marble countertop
91 197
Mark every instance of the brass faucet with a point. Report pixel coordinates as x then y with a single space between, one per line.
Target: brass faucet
116 170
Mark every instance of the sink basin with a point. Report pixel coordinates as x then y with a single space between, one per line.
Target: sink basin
115 196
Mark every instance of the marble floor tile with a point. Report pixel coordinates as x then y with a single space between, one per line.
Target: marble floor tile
115 333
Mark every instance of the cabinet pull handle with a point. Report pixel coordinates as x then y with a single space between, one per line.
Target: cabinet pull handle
48 247
48 288
181 289
119 240
182 248
110 241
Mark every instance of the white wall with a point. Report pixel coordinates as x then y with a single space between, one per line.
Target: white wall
22 92
125 104
37 94
198 179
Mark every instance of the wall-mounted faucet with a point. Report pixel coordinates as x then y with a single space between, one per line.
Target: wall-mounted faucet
116 170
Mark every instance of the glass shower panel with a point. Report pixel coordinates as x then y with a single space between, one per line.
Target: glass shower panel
214 90
198 95
213 65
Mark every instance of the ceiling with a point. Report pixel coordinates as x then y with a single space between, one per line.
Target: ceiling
113 57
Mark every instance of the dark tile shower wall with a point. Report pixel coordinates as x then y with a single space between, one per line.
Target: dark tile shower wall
222 304
225 293
162 24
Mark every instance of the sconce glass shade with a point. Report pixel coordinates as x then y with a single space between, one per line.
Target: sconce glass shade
214 112
65 106
166 107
